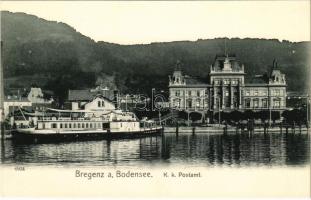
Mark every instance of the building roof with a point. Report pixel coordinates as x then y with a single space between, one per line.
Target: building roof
88 95
193 80
258 79
80 95
220 59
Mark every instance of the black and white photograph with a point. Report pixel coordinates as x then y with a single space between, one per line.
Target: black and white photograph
179 87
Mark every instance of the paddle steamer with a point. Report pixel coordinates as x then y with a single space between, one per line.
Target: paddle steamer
62 125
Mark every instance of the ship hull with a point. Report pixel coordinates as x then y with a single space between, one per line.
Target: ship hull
26 136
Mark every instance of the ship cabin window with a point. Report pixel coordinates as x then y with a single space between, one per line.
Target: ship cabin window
106 126
61 125
54 125
86 125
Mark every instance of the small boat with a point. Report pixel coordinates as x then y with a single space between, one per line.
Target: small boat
71 125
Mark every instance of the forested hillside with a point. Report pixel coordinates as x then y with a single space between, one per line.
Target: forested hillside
55 56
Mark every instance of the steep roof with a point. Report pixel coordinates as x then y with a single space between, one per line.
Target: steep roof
80 95
193 80
88 95
258 79
219 62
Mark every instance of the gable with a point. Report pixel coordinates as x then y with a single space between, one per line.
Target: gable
100 103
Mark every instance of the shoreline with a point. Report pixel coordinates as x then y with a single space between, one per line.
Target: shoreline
212 130
230 129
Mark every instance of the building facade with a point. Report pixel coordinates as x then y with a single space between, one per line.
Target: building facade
226 90
14 104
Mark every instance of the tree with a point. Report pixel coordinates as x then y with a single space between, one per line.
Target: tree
236 115
249 114
194 116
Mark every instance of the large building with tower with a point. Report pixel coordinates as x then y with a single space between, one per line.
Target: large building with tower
226 90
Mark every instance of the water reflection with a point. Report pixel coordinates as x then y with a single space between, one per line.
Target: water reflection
192 150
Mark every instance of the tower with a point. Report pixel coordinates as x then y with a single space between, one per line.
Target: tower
177 78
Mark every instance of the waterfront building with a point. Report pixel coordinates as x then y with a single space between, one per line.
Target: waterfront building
38 98
12 104
79 98
226 90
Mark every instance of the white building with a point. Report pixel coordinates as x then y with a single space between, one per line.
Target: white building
11 105
36 96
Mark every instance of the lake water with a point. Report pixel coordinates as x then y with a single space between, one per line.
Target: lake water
201 150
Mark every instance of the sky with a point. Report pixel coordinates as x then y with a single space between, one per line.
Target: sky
129 22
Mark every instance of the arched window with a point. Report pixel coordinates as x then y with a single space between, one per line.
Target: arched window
189 103
256 103
82 125
247 103
198 103
78 125
61 125
264 103
277 103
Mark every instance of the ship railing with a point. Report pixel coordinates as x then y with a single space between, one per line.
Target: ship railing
124 120
69 119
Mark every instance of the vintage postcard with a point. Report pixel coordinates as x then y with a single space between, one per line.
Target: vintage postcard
155 99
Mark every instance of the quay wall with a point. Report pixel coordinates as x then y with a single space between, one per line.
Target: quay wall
221 130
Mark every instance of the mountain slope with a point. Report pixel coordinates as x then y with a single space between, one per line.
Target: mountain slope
55 56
